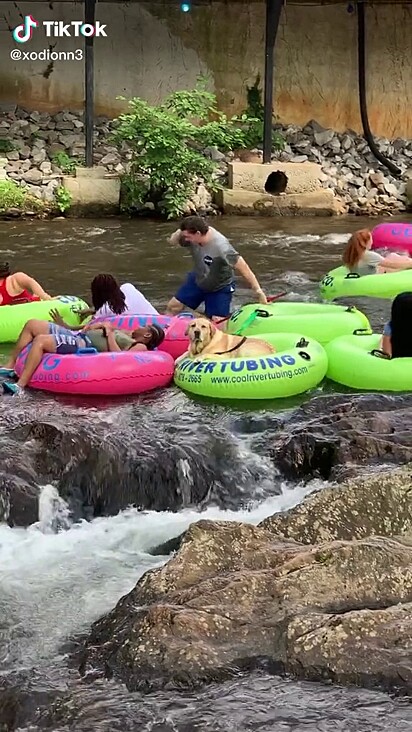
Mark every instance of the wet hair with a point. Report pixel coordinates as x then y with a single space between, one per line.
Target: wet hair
356 248
157 337
194 224
5 270
401 326
105 290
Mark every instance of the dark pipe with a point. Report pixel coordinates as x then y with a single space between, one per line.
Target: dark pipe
273 11
89 17
362 94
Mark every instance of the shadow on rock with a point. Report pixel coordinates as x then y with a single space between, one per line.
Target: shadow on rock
235 593
330 437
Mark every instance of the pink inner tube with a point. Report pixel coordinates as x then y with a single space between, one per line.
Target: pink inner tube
175 342
393 236
109 374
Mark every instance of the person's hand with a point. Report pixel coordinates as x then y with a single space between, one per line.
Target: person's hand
83 314
47 296
261 297
56 318
174 239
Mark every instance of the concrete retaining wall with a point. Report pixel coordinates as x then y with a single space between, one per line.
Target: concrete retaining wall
152 49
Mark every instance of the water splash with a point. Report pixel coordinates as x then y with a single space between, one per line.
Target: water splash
56 584
54 513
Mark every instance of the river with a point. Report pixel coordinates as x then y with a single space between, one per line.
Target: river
53 585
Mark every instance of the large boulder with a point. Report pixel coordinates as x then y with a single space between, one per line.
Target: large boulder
378 504
99 471
330 437
235 593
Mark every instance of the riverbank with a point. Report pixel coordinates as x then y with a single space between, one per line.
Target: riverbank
39 151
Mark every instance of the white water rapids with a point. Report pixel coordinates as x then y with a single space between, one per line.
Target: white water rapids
53 585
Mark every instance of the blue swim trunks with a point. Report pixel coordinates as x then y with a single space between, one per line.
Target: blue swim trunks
216 303
68 341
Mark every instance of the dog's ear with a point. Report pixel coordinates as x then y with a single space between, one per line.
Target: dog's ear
212 329
187 329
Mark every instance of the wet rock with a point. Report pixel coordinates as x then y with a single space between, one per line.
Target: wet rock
347 433
377 504
101 472
235 593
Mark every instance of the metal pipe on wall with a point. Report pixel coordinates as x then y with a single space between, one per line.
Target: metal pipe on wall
273 13
89 17
360 6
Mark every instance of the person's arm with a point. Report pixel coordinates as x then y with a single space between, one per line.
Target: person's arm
244 270
395 262
386 345
83 314
57 318
20 279
178 239
111 339
97 326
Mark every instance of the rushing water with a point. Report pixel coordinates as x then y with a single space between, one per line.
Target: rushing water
54 585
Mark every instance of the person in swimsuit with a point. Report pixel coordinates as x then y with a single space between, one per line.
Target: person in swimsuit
359 259
51 338
109 298
19 288
215 262
397 334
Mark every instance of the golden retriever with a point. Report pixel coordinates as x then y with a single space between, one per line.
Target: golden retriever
206 340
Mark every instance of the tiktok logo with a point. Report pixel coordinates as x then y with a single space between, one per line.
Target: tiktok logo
23 33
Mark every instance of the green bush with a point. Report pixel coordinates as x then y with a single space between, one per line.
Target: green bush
256 110
63 198
66 163
15 196
167 143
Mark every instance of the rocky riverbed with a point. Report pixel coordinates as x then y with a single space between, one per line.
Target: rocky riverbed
361 183
99 472
321 592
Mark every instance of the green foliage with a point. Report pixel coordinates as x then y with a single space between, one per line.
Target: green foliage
66 163
6 145
256 110
167 143
63 198
15 196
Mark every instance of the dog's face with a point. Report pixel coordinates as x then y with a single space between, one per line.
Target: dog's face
200 332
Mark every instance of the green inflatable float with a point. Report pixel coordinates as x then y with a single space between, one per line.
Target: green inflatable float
357 362
13 318
340 282
298 365
316 320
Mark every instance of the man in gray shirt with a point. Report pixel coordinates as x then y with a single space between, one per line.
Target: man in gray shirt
215 262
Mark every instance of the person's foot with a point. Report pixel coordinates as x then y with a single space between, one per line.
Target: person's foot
8 373
9 387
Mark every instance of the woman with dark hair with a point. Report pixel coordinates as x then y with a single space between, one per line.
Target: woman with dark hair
108 298
50 338
397 334
359 258
18 288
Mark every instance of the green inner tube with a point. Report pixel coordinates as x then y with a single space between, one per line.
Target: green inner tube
13 318
320 321
357 362
340 282
299 364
